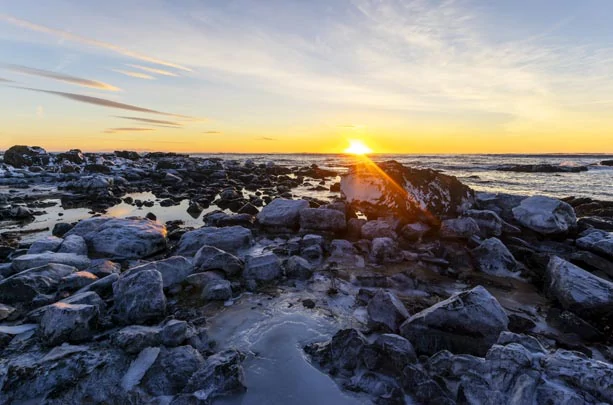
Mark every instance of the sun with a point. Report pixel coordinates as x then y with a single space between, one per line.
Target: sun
357 147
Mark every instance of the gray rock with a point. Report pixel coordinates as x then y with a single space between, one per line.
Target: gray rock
378 229
139 297
467 322
344 254
174 333
217 290
174 270
493 257
322 219
385 250
298 268
415 231
221 374
46 244
102 268
501 203
211 258
6 311
73 244
490 224
597 241
24 286
76 281
459 228
29 261
172 371
386 311
130 238
398 350
139 367
262 267
232 239
578 290
134 338
545 215
103 286
200 280
63 322
282 213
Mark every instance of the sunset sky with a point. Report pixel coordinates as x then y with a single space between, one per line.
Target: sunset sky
308 76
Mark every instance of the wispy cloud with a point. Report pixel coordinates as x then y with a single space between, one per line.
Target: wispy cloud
121 130
153 70
130 73
103 102
91 42
211 132
5 80
149 120
62 77
265 138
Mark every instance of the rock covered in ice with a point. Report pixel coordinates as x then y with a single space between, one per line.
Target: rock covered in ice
139 296
493 257
322 219
545 215
232 239
460 228
467 322
390 188
578 290
129 238
282 213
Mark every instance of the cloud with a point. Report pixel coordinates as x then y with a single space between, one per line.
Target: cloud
134 74
120 130
149 120
5 80
103 102
211 132
62 77
265 138
91 42
153 70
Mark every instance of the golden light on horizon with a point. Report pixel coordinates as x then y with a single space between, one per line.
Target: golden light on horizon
357 147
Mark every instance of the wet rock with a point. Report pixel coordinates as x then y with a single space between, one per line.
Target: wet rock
459 228
217 290
29 261
385 250
342 354
545 215
74 244
174 270
25 156
541 168
231 239
578 290
24 286
297 267
597 241
60 229
221 374
211 258
63 322
93 186
322 219
467 322
46 244
130 238
404 192
378 229
262 267
282 213
386 311
493 257
139 297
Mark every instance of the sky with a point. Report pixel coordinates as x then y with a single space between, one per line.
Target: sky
402 76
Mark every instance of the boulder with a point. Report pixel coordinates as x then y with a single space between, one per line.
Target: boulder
415 231
73 156
489 223
344 254
46 244
378 229
391 189
232 239
174 270
597 241
578 290
26 156
139 297
385 250
220 375
76 281
262 267
493 257
217 290
96 185
459 228
386 311
211 258
135 338
467 322
129 238
25 286
545 215
282 213
171 371
74 244
29 261
500 203
297 267
322 219
63 322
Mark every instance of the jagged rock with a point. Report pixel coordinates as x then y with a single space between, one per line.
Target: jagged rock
6 311
597 241
172 370
103 267
76 281
344 254
397 352
25 156
135 338
46 244
217 290
29 261
262 267
282 213
24 286
378 229
92 186
500 203
386 311
73 156
231 239
467 322
342 354
407 193
139 297
298 268
322 219
489 223
221 374
174 270
493 257
129 238
174 333
459 228
211 258
63 322
127 154
578 290
545 215
103 286
385 250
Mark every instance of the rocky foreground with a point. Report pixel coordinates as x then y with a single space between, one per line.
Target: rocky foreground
454 296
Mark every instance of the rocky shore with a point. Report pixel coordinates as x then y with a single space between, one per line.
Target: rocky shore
429 292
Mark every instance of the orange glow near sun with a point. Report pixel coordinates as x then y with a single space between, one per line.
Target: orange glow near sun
357 147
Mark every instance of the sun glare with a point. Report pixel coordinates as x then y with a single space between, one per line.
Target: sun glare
357 147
